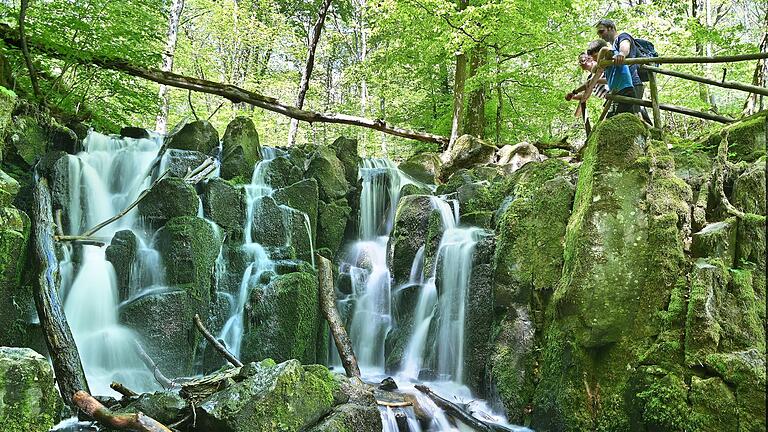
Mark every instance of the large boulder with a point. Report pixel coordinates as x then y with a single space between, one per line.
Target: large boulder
279 226
170 197
9 187
329 171
282 319
422 167
332 222
7 103
346 151
26 140
240 149
478 320
280 172
273 397
165 406
16 301
224 204
29 400
302 196
513 157
180 162
409 234
199 136
121 252
466 152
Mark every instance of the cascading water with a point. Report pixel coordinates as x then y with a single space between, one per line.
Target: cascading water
104 179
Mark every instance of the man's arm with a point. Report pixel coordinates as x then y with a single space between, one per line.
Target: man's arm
624 48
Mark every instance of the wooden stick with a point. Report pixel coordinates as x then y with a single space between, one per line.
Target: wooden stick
91 241
134 422
227 91
672 108
462 414
328 306
393 404
655 100
151 365
725 84
67 366
125 211
215 343
688 60
122 389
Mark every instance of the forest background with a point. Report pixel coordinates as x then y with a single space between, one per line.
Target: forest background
501 68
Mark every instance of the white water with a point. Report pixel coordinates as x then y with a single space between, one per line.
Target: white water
103 180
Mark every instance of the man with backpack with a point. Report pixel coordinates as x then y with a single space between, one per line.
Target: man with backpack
626 47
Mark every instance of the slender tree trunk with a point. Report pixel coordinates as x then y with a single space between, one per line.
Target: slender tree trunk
459 79
25 51
499 102
699 47
306 74
708 50
382 106
174 15
363 55
67 366
475 123
754 102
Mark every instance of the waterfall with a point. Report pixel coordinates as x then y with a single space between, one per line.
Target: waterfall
104 179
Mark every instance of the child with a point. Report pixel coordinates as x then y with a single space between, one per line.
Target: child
618 78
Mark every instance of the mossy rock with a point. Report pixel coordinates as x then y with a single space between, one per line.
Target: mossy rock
7 103
662 401
282 397
749 189
134 132
121 252
16 301
414 189
328 170
199 136
422 167
747 138
29 400
346 151
350 417
302 196
479 320
9 187
409 234
332 220
164 406
180 162
716 240
240 148
26 140
466 152
171 197
714 404
744 371
224 204
280 172
282 319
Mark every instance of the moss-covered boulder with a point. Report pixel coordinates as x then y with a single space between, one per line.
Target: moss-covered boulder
121 252
133 132
302 196
749 189
713 403
9 187
351 417
224 204
346 151
7 103
240 148
422 167
466 152
282 319
716 240
164 406
29 400
16 302
479 320
170 197
623 257
329 171
332 221
747 138
409 234
199 136
63 138
278 226
181 162
280 172
276 397
26 140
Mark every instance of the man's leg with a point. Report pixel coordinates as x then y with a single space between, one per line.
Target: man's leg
639 91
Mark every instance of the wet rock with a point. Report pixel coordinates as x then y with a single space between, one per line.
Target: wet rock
351 417
16 301
281 172
346 151
166 329
163 406
63 138
170 197
717 240
282 320
199 136
414 189
478 322
409 234
121 252
404 301
467 152
54 165
302 196
328 170
285 397
240 149
224 204
26 140
9 187
181 162
388 384
332 220
278 226
134 132
30 401
422 167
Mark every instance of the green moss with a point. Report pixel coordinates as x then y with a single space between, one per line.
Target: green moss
714 405
746 139
664 404
29 400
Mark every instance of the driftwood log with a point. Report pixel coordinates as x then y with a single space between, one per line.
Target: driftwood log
134 422
328 306
221 349
58 337
122 389
461 413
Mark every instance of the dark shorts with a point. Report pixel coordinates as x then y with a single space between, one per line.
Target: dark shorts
619 107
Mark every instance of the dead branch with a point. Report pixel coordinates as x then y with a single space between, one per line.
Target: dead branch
122 389
151 365
135 422
328 306
216 344
461 413
25 49
91 241
202 172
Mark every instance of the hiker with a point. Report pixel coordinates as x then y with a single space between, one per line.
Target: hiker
625 44
618 77
586 63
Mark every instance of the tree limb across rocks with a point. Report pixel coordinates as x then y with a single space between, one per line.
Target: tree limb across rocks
233 93
134 422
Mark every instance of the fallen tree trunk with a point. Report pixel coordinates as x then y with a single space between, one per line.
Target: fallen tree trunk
134 422
227 91
216 344
328 306
459 413
58 337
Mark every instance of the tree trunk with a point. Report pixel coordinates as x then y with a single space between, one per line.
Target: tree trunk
328 306
475 123
170 48
306 74
58 337
25 51
227 91
459 79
